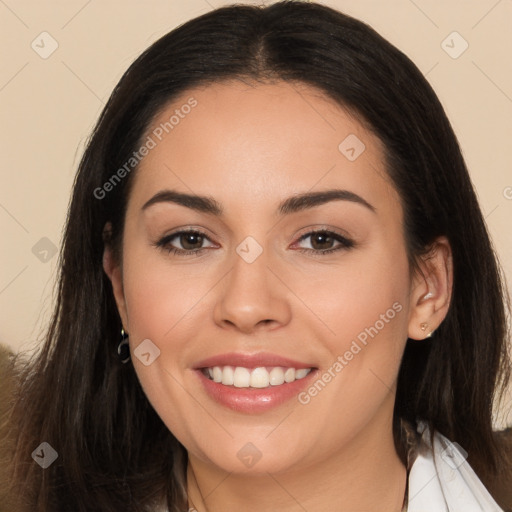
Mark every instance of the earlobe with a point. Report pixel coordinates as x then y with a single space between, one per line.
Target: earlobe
432 289
113 270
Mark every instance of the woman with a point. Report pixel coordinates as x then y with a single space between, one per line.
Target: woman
277 288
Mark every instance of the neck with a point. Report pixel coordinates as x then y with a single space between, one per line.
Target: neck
365 475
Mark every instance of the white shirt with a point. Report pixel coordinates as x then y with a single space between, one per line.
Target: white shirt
441 480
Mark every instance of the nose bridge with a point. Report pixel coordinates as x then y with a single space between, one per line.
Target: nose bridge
250 267
251 295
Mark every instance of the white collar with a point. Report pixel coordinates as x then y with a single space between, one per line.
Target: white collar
441 480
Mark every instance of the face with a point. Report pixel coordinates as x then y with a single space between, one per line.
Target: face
253 275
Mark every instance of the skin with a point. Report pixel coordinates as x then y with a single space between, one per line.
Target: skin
250 146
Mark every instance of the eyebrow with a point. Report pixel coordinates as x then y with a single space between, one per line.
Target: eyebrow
296 203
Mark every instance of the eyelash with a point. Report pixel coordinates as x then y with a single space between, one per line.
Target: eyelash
163 243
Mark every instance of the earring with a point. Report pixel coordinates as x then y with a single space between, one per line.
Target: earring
423 327
123 349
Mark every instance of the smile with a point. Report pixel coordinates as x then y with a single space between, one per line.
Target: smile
260 377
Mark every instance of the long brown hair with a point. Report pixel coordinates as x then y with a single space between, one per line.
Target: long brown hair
114 452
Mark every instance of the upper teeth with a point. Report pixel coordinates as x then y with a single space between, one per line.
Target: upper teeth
261 377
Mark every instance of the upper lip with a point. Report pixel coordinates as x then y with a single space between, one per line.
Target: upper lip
251 361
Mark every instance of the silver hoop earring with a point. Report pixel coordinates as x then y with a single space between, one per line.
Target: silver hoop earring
123 349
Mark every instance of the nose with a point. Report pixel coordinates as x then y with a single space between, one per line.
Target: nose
251 298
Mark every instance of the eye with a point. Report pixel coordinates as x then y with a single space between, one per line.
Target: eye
191 242
323 242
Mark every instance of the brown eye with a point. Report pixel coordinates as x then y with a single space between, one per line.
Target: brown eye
321 241
325 242
190 240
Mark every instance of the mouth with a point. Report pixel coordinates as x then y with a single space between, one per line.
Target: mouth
259 378
253 383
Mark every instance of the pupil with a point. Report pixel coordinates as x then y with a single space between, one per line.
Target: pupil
190 236
322 238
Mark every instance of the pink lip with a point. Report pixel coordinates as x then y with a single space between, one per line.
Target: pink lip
254 400
251 361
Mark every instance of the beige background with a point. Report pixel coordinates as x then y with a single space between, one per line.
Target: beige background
50 105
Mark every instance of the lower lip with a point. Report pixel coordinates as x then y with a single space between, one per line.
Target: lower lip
254 400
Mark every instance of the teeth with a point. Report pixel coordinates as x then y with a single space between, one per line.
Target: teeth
241 377
261 377
289 375
276 376
217 374
300 374
228 377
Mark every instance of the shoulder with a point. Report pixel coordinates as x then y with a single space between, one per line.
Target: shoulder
441 479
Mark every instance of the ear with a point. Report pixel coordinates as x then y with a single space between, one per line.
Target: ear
112 268
431 290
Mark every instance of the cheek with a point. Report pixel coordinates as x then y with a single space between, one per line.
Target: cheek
162 303
368 291
161 295
362 310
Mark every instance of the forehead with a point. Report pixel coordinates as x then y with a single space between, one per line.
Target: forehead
259 141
